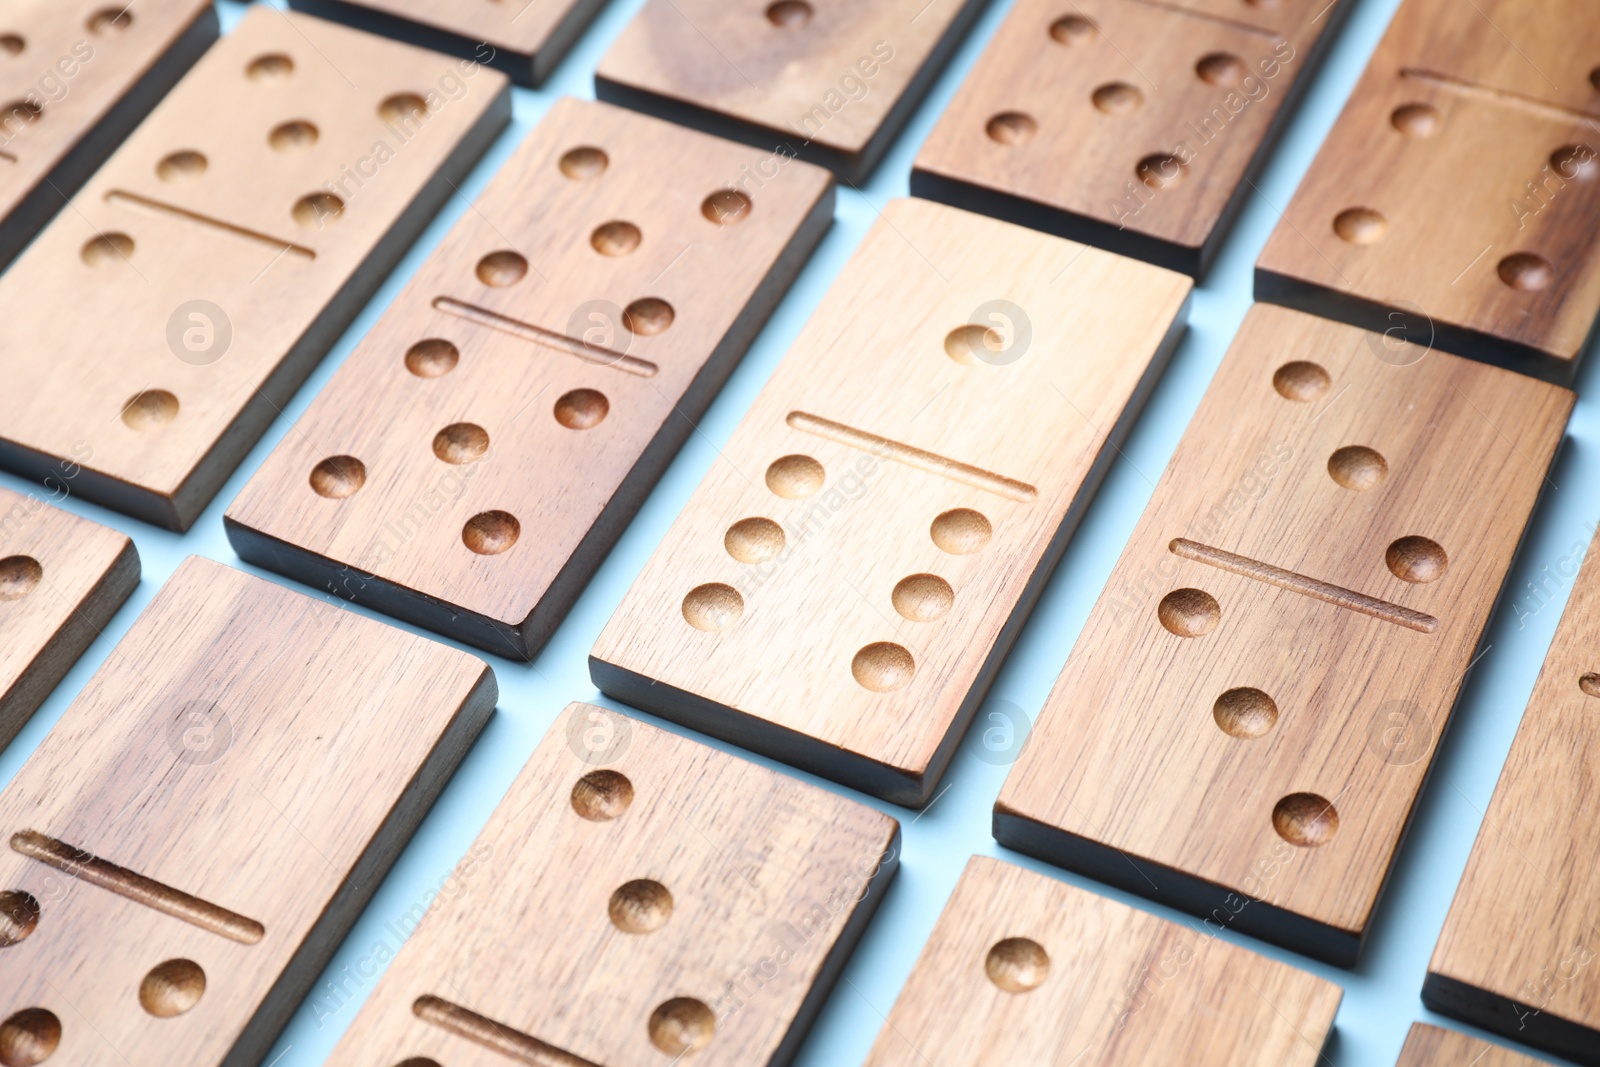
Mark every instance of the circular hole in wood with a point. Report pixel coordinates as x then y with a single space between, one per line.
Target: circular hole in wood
1220 68
110 20
642 906
1017 964
615 238
1417 560
601 796
725 207
293 136
754 540
107 250
403 108
648 317
316 210
1116 98
1301 381
1264 4
682 1025
582 409
790 14
1416 120
972 344
1011 127
961 531
1073 29
1360 226
186 165
12 44
584 162
19 911
883 667
433 358
418 1061
1526 271
272 67
795 477
1594 79
19 576
503 268
1305 820
29 1037
20 112
1161 170
1245 713
1575 162
1358 468
172 988
1590 684
149 410
490 533
461 442
713 607
338 477
923 597
1189 612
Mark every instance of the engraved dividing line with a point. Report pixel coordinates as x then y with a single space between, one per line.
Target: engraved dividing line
136 887
492 1035
1500 97
121 196
1234 24
932 462
524 331
1299 583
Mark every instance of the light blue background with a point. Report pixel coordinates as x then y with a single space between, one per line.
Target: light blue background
1381 995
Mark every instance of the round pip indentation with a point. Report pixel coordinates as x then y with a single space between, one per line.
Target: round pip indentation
1017 964
923 597
713 607
1161 170
172 988
601 796
338 477
1575 162
1301 381
1416 120
110 20
149 410
1360 226
293 136
1220 68
1594 79
461 442
1073 29
1417 560
1011 128
402 108
19 576
418 1061
682 1025
615 238
754 540
883 667
503 268
1245 713
582 409
29 1037
1305 820
316 210
1189 612
25 112
961 531
271 67
433 358
106 250
1526 271
968 344
1358 468
725 207
490 533
789 14
12 44
1116 98
19 917
648 317
186 165
1590 684
584 162
642 906
795 477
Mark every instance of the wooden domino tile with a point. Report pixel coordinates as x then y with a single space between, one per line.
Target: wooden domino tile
188 845
61 580
206 268
1518 954
75 77
1429 1046
1023 969
830 81
524 38
1253 704
650 901
585 312
1456 197
841 588
1133 125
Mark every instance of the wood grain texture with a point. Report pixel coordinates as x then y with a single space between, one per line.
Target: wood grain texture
227 791
1455 198
1429 1046
1132 125
963 385
548 405
829 81
199 276
629 869
75 77
1023 969
1333 535
524 38
1518 953
61 580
